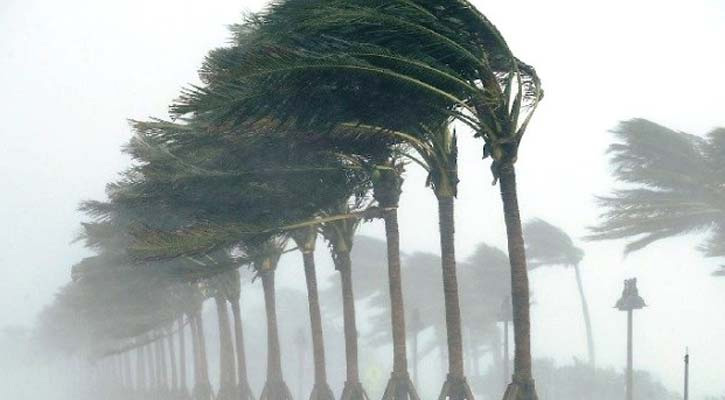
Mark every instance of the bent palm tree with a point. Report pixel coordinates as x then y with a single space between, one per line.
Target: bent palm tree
244 391
227 386
339 235
266 256
549 245
678 189
387 186
306 239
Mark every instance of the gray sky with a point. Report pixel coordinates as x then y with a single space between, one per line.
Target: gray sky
73 71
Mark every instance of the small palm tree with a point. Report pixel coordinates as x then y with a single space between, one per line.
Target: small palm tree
549 245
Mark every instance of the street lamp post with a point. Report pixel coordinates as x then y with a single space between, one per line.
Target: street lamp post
687 374
629 302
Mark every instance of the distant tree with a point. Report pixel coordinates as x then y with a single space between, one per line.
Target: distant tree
548 245
674 185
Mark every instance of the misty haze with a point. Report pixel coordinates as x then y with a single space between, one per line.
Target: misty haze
362 200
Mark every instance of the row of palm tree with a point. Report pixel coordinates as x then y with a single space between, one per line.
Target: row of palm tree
485 275
301 128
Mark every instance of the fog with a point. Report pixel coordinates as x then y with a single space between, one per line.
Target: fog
73 72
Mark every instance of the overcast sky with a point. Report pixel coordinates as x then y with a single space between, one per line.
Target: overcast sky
71 72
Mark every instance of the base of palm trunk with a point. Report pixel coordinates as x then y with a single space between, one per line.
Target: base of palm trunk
275 390
201 391
456 389
353 391
244 392
521 391
400 387
321 391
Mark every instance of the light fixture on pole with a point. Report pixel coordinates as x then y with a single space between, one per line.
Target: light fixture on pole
629 302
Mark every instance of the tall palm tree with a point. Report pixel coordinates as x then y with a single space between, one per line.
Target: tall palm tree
550 245
387 187
202 387
244 391
266 255
675 186
306 239
227 370
339 234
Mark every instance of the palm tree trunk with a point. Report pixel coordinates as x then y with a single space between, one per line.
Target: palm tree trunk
274 357
153 381
157 366
195 349
172 361
321 390
400 387
397 313
226 351
450 287
162 364
202 387
522 387
182 358
587 318
350 325
275 388
245 392
127 370
415 358
352 389
202 349
140 370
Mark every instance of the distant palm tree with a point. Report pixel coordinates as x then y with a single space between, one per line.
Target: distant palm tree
227 369
306 239
234 292
266 255
340 234
549 245
675 185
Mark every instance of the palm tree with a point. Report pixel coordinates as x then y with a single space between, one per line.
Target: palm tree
266 255
305 239
339 234
549 245
227 371
234 291
677 186
183 389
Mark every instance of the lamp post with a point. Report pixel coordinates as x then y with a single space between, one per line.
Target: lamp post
629 302
505 315
687 374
